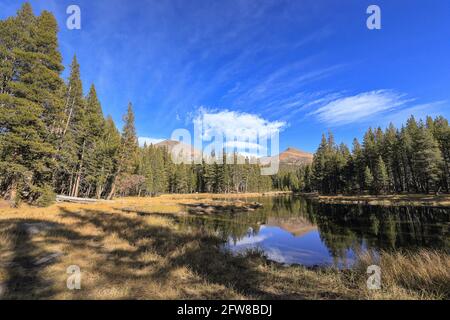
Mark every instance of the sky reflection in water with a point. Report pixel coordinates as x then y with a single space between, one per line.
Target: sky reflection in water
281 246
295 230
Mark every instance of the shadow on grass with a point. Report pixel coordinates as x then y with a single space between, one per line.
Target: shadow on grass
197 252
27 258
218 274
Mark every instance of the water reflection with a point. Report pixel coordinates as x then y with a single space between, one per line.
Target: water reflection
298 230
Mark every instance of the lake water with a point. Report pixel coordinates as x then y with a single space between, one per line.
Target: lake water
295 230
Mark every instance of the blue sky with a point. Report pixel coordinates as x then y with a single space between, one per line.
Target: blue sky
306 66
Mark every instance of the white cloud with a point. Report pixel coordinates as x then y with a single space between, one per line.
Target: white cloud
360 107
242 131
249 240
148 140
232 123
275 254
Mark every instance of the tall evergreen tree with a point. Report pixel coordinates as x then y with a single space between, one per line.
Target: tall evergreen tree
380 177
370 149
76 127
128 150
368 179
358 167
93 117
441 132
105 153
29 100
426 160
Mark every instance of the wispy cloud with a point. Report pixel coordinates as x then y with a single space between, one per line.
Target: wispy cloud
301 102
361 107
282 86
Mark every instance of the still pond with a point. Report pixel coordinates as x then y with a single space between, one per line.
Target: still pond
296 230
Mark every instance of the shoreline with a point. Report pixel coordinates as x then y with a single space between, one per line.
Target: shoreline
420 200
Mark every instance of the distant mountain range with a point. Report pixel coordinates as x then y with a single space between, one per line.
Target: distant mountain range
289 157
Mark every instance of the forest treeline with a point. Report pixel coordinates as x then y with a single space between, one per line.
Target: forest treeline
412 159
53 139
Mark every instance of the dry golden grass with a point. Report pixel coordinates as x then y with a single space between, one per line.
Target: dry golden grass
422 275
127 254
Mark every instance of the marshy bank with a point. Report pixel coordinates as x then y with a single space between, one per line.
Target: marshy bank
142 248
424 200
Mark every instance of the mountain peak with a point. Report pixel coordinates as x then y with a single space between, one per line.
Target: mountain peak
295 156
291 157
292 149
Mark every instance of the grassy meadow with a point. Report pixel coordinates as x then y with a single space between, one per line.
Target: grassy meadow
126 253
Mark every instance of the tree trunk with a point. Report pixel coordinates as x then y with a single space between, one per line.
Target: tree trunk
98 192
88 192
70 185
113 189
80 168
76 186
13 193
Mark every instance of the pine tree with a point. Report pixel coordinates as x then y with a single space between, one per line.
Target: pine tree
180 179
160 182
49 68
370 149
390 156
29 100
309 187
128 150
441 132
106 152
409 134
76 129
129 146
319 165
93 118
219 177
368 179
380 177
426 160
358 167
342 168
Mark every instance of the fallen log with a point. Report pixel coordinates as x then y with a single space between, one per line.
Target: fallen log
60 198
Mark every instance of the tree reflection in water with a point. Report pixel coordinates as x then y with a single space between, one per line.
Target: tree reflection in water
342 228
